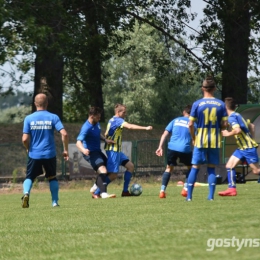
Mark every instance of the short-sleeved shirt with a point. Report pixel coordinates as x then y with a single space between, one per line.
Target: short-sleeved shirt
180 135
90 136
244 139
114 132
209 114
41 125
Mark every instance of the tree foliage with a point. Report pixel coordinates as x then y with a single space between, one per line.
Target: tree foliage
69 41
153 81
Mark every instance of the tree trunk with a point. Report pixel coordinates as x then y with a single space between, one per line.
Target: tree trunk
94 58
236 48
49 66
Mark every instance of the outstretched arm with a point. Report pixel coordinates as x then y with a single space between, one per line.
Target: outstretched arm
137 127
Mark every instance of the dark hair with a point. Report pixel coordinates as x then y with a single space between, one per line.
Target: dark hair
230 103
187 109
209 83
93 111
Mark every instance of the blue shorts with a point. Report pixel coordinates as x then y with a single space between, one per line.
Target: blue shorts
96 159
35 168
249 155
205 156
114 160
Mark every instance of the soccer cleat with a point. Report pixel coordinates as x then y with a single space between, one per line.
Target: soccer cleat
96 196
188 200
105 195
55 205
25 200
184 192
93 188
228 192
162 195
126 194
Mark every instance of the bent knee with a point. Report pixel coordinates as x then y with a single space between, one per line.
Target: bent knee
130 166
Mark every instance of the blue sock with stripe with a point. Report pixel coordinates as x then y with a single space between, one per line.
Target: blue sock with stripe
191 180
232 178
211 182
165 180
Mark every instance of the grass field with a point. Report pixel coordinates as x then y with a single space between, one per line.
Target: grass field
144 227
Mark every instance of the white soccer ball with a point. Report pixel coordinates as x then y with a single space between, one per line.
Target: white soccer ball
136 189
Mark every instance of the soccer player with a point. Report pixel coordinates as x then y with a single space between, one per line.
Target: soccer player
115 156
179 147
211 116
38 139
247 147
88 143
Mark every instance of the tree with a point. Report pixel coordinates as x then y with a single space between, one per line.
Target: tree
76 34
152 81
229 45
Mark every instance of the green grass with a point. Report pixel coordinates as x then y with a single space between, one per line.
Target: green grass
144 227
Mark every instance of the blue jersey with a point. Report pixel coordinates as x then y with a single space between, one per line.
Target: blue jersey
244 139
41 125
114 132
180 135
209 114
90 136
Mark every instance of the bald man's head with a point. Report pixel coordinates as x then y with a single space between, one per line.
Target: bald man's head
41 101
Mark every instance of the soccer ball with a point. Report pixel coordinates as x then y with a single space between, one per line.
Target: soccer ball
136 189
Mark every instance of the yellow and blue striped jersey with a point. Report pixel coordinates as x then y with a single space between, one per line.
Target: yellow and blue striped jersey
114 132
208 113
244 139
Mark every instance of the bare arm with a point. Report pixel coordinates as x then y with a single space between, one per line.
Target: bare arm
137 127
65 142
26 141
108 141
252 129
234 131
192 131
224 124
159 151
81 148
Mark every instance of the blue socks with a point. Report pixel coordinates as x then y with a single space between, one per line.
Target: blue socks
212 182
54 188
27 186
231 173
165 180
127 179
191 180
